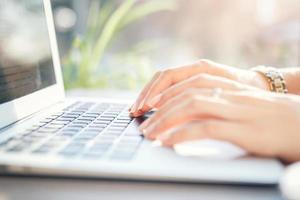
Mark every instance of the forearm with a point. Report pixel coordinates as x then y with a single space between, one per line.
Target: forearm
292 78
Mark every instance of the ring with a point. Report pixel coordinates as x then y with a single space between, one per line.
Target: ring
216 92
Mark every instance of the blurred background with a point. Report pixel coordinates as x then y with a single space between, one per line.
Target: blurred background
118 44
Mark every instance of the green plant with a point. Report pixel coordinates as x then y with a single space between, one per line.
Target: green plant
84 68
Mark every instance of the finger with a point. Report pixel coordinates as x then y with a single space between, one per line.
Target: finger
143 93
198 81
169 77
163 81
198 108
178 100
189 94
213 129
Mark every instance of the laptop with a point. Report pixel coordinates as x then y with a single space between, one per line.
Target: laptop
44 134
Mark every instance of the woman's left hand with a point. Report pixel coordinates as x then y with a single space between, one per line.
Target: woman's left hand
263 123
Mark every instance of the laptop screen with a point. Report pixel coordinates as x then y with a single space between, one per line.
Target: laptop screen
25 56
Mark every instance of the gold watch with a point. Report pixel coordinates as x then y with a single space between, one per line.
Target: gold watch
275 78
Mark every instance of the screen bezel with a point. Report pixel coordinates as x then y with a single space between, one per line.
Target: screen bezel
22 107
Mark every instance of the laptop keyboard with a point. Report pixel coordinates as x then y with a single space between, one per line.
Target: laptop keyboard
83 129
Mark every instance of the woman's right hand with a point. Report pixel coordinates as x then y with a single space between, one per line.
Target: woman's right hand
262 123
203 74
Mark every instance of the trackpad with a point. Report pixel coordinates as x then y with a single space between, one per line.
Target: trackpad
208 148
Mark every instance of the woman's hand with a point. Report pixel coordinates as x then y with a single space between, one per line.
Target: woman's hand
203 74
262 123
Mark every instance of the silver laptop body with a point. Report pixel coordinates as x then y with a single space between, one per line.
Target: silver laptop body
42 133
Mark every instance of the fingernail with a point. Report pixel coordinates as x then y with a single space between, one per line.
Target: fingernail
138 113
130 108
133 108
147 131
144 124
141 105
154 101
156 143
131 114
142 129
163 137
141 133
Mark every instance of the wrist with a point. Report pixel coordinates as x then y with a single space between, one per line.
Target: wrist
260 81
254 79
273 77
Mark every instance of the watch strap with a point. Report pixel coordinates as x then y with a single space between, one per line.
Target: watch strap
274 77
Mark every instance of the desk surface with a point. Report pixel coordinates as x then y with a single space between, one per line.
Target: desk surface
24 188
12 188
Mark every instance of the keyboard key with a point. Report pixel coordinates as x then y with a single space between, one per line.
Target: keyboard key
131 139
101 122
80 122
78 112
18 147
67 118
109 115
132 133
114 128
94 113
46 121
122 121
106 138
72 129
59 138
31 139
71 114
107 118
28 140
124 150
77 126
5 142
64 120
90 115
84 137
73 149
125 118
98 130
42 150
45 131
118 155
52 117
106 121
40 134
85 119
53 126
100 147
98 126
94 154
59 122
112 133
112 113
82 140
53 143
68 134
